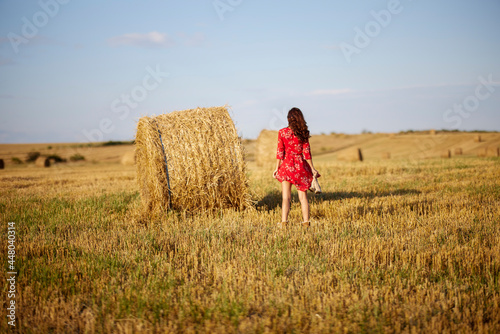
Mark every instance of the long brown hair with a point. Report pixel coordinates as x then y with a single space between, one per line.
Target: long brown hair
297 123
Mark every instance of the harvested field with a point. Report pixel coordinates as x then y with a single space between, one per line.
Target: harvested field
399 245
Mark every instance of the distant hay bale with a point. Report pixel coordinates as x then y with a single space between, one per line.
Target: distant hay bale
267 144
481 152
42 162
478 139
432 132
446 154
492 151
458 151
352 154
2 164
128 159
386 155
204 159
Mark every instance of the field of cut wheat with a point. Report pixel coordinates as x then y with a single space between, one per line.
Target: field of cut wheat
394 246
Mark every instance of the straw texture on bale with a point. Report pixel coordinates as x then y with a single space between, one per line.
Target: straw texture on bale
128 159
386 155
266 148
204 158
42 162
432 132
458 151
352 154
478 139
488 152
446 154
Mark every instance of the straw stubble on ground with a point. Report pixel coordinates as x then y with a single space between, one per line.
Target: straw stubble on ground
396 246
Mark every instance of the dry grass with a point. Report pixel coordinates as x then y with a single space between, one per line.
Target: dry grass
402 146
204 155
396 246
92 152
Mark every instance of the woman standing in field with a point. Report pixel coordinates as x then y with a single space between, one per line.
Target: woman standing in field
294 164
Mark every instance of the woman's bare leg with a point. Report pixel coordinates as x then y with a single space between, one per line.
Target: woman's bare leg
287 197
304 204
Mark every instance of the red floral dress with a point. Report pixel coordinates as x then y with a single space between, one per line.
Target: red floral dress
294 153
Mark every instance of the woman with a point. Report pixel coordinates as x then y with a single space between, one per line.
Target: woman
294 164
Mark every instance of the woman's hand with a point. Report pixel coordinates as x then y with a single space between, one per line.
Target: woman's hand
275 173
315 172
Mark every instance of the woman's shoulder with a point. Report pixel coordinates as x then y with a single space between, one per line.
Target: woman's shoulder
284 130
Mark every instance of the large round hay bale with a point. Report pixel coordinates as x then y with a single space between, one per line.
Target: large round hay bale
481 152
478 139
42 162
386 155
492 151
351 154
2 164
128 159
432 132
198 154
446 154
458 151
267 144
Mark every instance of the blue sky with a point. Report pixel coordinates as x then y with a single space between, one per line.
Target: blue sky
79 71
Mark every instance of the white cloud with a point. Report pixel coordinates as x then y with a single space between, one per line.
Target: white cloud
150 39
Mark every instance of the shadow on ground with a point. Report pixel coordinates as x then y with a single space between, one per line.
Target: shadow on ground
273 199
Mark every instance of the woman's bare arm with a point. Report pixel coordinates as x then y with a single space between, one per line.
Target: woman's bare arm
278 164
310 162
